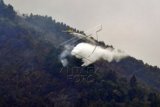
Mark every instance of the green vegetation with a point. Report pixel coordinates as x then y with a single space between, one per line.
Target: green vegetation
31 74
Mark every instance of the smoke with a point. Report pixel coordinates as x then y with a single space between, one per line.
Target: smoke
65 53
90 53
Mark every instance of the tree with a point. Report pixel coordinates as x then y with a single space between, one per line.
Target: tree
152 97
133 81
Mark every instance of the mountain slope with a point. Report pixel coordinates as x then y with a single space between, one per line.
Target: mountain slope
147 74
31 73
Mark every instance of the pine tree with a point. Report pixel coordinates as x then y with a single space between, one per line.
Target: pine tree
133 81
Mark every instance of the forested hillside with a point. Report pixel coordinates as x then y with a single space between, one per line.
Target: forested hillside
31 74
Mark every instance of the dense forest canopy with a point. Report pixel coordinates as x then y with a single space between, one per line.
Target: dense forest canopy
31 73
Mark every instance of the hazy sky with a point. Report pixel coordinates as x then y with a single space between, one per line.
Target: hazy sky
130 25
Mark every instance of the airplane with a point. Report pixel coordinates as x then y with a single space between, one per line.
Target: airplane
78 36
